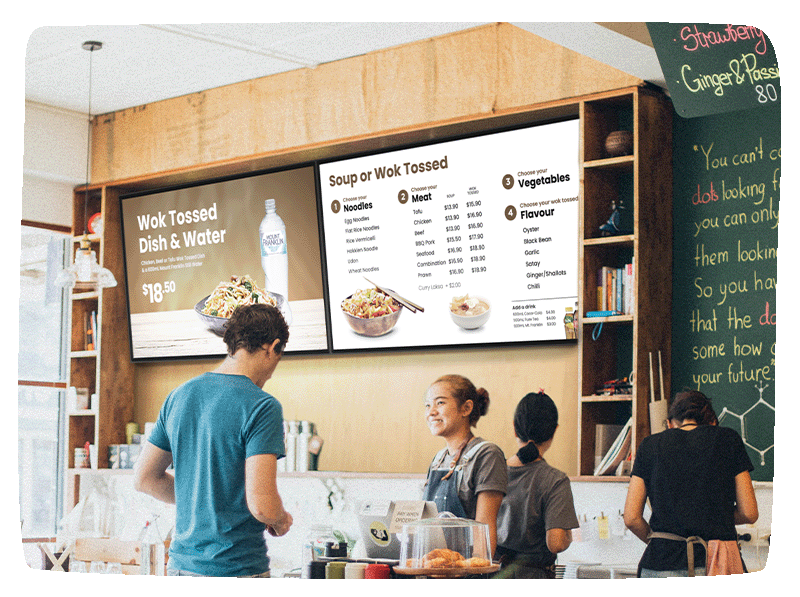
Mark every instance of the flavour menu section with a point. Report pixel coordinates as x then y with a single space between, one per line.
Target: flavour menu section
487 223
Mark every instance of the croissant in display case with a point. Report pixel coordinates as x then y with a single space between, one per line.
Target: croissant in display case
445 546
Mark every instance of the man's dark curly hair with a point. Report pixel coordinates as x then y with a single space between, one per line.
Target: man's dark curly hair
252 326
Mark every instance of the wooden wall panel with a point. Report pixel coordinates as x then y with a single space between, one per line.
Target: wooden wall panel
369 407
534 70
461 76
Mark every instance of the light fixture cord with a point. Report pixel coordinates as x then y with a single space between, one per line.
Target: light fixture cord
88 149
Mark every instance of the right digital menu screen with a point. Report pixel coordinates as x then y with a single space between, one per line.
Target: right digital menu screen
477 237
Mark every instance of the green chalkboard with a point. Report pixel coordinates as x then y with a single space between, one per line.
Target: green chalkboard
726 190
716 68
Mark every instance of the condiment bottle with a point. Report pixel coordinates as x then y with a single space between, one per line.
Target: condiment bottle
291 446
302 455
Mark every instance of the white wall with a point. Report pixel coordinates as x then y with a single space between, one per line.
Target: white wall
53 163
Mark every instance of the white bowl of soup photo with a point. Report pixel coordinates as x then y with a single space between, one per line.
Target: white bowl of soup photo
470 312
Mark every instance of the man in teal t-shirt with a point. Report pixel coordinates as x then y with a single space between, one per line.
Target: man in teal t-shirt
224 435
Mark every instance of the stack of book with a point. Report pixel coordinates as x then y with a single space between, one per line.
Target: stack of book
618 452
615 289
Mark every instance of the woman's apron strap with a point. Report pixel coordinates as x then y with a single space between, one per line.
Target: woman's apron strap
690 541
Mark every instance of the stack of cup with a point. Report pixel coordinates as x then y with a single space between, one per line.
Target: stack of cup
377 571
315 569
334 570
82 458
355 570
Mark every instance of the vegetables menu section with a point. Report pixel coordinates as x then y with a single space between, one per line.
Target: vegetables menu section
477 236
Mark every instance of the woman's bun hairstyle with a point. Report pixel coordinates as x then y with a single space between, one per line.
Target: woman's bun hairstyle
694 406
463 389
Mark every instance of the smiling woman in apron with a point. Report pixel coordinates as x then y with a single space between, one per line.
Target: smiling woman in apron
468 477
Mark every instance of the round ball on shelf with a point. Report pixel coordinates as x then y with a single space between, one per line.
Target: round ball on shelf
619 143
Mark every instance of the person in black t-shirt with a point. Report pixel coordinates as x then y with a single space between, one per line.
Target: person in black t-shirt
697 478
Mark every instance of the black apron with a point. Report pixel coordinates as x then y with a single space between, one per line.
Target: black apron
444 492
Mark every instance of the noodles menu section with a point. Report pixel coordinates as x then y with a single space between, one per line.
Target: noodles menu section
478 235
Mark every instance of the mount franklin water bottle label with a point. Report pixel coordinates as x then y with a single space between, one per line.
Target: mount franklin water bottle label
273 244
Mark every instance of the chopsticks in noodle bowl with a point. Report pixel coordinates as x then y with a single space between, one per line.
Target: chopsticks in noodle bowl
413 307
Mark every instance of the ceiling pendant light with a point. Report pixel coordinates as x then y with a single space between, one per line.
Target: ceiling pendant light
86 274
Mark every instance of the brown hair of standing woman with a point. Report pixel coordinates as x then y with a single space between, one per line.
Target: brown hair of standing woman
692 405
463 390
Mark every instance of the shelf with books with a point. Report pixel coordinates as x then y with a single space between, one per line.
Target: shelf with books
608 459
614 290
626 218
99 364
607 398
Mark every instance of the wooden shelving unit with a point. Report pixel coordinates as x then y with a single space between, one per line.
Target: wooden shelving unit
105 370
642 181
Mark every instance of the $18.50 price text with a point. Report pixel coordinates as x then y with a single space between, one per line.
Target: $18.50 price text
157 291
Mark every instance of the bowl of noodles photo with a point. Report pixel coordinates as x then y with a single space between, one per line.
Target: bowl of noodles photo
215 309
470 312
370 312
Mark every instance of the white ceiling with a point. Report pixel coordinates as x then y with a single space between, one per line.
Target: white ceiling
141 64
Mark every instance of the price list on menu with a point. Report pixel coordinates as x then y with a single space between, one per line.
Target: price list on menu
480 233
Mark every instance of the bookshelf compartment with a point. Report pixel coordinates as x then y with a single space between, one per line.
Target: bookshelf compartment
84 310
607 357
83 372
612 255
602 117
602 187
642 183
598 413
81 430
81 213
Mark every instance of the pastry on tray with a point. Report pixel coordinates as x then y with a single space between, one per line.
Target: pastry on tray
447 558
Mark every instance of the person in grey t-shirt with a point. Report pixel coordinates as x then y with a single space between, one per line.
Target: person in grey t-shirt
537 514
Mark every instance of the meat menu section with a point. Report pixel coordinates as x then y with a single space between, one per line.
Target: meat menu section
480 233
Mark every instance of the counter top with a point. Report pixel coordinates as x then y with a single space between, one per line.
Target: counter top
358 475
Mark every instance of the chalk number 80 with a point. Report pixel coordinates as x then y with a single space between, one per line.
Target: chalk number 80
766 93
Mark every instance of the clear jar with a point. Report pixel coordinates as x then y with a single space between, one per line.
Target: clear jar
314 544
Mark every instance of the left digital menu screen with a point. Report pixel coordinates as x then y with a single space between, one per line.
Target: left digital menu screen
194 253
